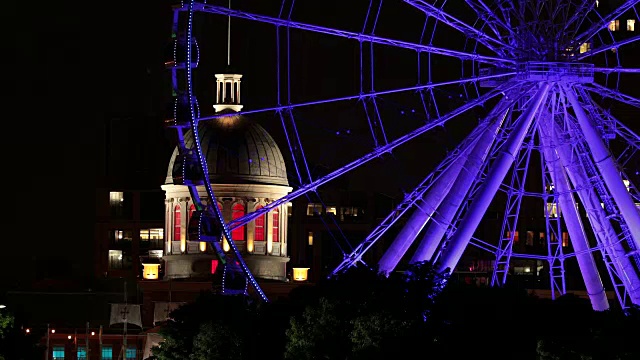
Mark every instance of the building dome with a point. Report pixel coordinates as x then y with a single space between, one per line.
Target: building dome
238 151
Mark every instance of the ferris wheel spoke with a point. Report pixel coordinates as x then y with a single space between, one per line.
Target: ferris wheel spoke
612 94
617 70
614 45
604 22
374 154
417 88
489 16
579 15
497 46
352 35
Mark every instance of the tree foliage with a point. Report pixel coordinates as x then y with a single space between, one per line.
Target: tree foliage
212 327
363 314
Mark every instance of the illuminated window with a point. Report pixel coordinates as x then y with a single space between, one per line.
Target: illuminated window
116 198
541 237
276 225
238 212
192 209
516 238
585 47
58 353
529 241
565 239
115 259
107 353
150 271
176 223
314 209
631 25
131 353
614 25
82 353
627 184
552 209
120 204
310 238
331 210
152 238
259 230
120 237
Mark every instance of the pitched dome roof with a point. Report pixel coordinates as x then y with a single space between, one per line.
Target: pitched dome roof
237 151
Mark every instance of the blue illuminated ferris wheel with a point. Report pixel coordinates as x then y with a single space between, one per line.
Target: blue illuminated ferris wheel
554 87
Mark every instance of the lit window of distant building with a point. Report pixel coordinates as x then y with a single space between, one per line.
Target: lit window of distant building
131 353
614 25
82 353
631 25
58 353
176 223
585 47
152 238
565 239
259 228
236 213
276 225
529 241
552 209
314 209
115 259
107 353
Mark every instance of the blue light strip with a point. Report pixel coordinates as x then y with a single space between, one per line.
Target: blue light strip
212 203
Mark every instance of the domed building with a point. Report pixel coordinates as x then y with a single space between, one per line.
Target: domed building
247 171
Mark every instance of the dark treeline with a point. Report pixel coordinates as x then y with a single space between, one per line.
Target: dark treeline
362 315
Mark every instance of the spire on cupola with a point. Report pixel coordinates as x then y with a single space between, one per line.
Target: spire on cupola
228 84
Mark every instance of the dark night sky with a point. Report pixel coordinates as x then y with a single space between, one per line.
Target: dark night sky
71 68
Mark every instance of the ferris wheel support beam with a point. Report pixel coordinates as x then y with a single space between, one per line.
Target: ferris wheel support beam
604 162
458 243
575 228
451 203
618 264
606 236
425 207
353 35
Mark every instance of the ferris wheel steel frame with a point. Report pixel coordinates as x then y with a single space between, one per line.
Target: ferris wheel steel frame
544 104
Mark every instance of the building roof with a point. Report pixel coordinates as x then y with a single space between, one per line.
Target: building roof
238 151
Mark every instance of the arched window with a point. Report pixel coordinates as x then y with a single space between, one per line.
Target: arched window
176 223
260 225
237 212
276 225
192 209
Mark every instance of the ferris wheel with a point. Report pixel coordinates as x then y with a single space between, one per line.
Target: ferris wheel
542 87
